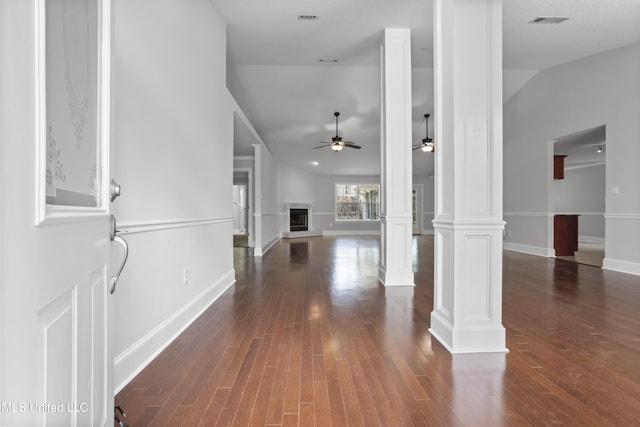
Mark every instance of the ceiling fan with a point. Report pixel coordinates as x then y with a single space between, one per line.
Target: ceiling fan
337 143
427 145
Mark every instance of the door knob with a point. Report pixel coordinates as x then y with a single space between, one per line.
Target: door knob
114 189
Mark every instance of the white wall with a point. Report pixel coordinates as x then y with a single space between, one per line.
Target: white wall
582 191
173 130
296 185
601 89
267 211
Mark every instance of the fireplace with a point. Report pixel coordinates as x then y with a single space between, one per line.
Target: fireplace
298 219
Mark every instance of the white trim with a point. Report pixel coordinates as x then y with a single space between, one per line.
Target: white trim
591 239
540 214
134 359
488 224
41 111
621 266
527 249
580 213
260 251
287 211
298 234
251 197
622 216
243 158
147 227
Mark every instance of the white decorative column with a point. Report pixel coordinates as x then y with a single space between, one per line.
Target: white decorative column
395 204
468 225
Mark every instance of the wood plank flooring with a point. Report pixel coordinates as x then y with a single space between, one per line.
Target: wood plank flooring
308 337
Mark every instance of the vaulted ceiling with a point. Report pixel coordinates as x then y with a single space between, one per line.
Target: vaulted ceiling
290 95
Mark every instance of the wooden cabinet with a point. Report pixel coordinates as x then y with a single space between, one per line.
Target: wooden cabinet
565 234
558 166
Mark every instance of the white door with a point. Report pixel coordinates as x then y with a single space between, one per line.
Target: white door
240 209
55 258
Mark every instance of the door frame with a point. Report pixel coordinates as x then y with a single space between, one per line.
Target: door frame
419 189
250 204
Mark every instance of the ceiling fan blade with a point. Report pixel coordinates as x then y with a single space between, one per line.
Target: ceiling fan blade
322 146
416 147
352 145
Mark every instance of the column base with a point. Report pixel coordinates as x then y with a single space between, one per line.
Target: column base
395 278
473 338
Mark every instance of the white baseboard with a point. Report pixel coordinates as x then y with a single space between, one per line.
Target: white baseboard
297 234
526 249
264 249
621 266
591 239
134 359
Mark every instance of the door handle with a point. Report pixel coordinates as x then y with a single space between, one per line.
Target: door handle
115 238
114 189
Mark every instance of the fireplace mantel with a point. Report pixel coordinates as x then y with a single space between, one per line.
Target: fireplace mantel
288 206
289 234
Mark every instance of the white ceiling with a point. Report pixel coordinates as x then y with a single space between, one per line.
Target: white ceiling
290 97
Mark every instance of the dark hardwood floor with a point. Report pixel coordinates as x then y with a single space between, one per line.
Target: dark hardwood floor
308 337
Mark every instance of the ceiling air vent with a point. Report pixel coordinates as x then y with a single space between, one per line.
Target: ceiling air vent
548 20
308 17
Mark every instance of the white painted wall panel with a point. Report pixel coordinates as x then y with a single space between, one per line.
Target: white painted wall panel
601 89
173 138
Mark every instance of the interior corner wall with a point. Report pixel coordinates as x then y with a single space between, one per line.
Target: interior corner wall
602 89
173 156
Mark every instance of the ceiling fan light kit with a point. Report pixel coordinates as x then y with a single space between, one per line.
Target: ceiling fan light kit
427 146
337 144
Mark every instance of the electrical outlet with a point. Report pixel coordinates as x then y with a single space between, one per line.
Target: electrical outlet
185 277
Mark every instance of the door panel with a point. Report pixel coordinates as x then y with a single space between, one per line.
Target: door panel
57 323
55 251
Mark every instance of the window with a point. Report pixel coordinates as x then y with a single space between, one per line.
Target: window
357 202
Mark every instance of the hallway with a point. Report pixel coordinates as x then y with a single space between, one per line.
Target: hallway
307 337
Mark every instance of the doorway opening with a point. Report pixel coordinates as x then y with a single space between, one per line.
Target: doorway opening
416 209
240 216
579 194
